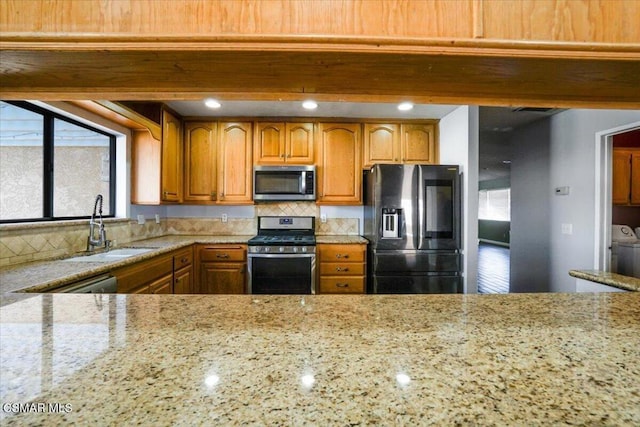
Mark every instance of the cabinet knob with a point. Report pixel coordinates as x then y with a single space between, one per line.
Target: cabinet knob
222 255
282 155
183 260
213 195
342 269
342 285
339 256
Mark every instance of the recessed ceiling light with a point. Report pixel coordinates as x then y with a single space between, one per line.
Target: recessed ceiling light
405 106
309 105
506 162
212 103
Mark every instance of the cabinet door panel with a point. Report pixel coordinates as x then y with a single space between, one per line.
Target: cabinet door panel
171 176
200 162
235 168
381 144
183 281
419 143
340 171
635 177
222 278
269 143
621 174
163 285
299 147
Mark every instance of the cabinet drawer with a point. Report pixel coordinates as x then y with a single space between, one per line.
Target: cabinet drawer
342 268
342 253
342 285
223 254
183 258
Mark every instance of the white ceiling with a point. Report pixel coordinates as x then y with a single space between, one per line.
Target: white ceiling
294 109
495 123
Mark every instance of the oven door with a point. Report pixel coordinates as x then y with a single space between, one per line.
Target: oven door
282 273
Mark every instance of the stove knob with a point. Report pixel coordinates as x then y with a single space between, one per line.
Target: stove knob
304 249
281 249
266 249
295 249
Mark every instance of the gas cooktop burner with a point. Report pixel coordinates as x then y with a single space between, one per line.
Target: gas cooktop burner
283 240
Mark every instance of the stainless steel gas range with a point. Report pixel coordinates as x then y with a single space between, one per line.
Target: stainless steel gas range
282 257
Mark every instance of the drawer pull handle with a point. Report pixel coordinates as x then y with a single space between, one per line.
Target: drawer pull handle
339 256
183 260
342 269
342 285
222 255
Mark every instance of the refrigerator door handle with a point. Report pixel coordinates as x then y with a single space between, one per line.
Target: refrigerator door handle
421 211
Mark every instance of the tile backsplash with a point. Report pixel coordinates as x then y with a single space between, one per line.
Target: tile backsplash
20 243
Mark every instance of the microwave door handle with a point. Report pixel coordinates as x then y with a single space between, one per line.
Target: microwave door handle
303 184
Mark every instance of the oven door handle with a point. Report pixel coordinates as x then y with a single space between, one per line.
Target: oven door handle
296 255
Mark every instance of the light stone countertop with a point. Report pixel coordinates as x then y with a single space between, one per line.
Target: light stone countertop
44 275
519 359
606 278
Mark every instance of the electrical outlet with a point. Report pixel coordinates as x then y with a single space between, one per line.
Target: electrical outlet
141 219
157 218
323 218
567 228
224 217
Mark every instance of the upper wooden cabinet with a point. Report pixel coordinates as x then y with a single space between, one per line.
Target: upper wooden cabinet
235 163
200 162
156 165
338 163
626 176
279 143
400 143
171 170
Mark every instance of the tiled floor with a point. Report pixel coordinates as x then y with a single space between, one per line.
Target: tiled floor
493 269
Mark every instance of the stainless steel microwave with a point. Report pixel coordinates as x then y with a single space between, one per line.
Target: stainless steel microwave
272 183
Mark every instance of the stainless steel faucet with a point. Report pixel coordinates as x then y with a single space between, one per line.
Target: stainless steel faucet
101 240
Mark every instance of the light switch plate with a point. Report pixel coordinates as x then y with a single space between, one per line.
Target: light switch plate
224 217
567 228
323 218
141 219
157 218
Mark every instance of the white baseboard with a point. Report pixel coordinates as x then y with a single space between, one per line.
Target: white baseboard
494 242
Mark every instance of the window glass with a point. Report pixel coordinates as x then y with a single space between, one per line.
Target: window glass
80 171
21 163
495 204
51 166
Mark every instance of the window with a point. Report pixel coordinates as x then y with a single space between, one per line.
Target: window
52 167
495 204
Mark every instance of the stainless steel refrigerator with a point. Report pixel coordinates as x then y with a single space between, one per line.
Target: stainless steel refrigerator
413 222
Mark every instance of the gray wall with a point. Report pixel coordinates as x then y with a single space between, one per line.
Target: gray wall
554 152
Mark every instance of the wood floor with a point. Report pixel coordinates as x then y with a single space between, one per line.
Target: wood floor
493 269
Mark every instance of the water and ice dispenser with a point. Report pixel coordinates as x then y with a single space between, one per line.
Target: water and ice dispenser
391 220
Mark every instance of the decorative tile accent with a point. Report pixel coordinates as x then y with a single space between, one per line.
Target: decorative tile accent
288 209
211 226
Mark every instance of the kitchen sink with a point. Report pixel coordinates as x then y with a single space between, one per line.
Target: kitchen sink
110 256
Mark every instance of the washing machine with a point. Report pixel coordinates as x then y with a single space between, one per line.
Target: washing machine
621 234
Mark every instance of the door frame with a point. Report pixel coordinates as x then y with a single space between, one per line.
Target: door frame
603 198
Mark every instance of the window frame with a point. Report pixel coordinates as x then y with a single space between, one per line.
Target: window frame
48 138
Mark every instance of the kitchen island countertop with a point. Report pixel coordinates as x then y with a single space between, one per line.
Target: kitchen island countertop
519 359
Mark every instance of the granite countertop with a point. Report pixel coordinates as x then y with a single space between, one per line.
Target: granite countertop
44 275
519 359
606 278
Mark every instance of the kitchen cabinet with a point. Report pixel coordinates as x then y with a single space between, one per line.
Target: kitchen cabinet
221 269
626 176
338 163
183 271
171 160
400 143
200 162
342 268
283 143
150 276
156 164
235 167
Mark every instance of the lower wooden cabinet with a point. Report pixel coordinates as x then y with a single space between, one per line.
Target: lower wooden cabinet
183 282
145 277
342 268
221 269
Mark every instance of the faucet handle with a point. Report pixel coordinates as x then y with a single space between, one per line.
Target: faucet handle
108 244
